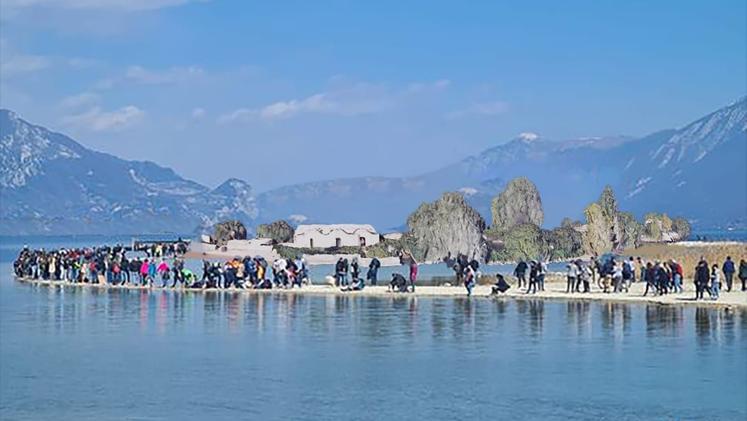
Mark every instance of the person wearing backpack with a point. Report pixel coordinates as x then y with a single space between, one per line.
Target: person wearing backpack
373 271
469 279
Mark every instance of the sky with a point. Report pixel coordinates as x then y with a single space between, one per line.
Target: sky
290 91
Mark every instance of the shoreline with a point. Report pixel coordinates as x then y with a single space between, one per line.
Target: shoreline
555 291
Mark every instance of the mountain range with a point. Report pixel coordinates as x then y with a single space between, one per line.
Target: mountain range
50 184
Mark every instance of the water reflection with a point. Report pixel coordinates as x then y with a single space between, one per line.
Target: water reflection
378 321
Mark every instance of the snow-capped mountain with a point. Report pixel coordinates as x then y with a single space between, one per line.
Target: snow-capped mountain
697 171
51 184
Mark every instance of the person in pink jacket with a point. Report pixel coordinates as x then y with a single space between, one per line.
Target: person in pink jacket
163 270
144 272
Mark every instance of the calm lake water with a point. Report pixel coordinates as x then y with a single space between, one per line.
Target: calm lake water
90 354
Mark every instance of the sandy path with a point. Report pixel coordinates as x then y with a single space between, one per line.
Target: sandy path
553 290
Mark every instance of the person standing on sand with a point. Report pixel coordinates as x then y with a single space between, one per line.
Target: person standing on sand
584 275
743 273
541 273
701 279
152 271
728 269
571 276
521 273
373 271
355 267
676 269
469 279
144 272
413 270
339 272
715 282
533 269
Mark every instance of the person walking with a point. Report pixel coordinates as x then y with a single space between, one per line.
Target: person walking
728 269
743 273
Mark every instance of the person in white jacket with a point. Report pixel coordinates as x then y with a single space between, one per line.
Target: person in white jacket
572 275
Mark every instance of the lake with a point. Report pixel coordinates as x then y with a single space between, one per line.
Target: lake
97 354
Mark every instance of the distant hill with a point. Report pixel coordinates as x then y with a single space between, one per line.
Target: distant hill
51 184
697 171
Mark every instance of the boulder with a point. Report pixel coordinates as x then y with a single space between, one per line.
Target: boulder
519 203
280 231
448 225
228 230
608 229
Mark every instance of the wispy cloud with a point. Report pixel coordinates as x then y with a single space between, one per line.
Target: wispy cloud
348 100
481 109
139 74
98 120
20 64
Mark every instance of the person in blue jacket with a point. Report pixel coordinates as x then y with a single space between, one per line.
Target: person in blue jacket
728 269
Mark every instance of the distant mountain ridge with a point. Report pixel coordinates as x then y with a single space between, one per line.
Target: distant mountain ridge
51 184
648 174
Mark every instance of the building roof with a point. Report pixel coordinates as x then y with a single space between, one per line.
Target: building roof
349 229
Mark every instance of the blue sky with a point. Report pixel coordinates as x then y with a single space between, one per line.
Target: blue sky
281 92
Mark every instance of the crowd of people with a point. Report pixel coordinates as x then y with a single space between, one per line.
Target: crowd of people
616 275
163 264
254 273
105 264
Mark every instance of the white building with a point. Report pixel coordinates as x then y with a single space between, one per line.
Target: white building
335 235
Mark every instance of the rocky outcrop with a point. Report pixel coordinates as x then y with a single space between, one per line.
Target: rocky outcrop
608 229
518 204
280 231
659 227
448 225
682 227
228 230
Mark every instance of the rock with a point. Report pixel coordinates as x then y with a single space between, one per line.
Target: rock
606 228
682 227
280 231
518 204
228 230
631 230
448 225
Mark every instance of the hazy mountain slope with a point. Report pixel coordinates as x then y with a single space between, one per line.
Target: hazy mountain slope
645 172
698 170
50 183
